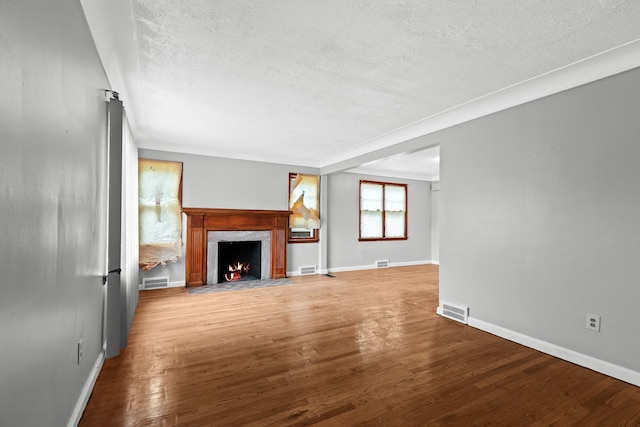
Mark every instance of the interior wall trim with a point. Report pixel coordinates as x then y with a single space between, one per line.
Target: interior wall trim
598 365
174 284
81 404
372 266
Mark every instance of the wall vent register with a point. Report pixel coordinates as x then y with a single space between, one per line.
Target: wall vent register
455 312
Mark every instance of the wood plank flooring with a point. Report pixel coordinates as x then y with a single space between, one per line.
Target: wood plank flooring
364 348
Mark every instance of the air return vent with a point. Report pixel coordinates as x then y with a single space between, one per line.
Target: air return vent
455 312
155 282
297 233
383 263
309 269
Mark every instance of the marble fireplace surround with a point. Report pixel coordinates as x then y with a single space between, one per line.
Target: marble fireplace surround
202 222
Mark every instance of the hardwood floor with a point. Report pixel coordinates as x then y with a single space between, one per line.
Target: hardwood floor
362 349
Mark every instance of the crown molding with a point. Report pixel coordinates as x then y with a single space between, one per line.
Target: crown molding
596 67
200 150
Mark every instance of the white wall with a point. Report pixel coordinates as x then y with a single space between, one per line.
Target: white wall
435 222
52 209
541 220
214 182
345 252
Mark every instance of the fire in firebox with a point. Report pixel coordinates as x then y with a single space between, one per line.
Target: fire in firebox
239 260
237 271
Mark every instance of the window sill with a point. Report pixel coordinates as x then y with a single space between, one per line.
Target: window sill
380 239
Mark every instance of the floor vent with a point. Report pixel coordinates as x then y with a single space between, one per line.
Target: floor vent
155 282
309 269
384 263
455 312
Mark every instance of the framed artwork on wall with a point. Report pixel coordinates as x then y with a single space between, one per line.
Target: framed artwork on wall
304 203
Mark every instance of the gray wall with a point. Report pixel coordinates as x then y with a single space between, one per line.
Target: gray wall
52 209
344 249
541 218
214 182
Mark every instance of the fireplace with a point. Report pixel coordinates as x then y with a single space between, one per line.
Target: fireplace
207 227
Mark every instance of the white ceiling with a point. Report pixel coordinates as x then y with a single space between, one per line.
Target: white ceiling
423 165
314 83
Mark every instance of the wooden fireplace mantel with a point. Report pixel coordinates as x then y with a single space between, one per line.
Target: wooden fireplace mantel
202 220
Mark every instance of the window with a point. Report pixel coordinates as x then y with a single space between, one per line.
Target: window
383 211
160 207
304 204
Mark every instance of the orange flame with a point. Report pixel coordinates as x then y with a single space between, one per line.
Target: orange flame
237 270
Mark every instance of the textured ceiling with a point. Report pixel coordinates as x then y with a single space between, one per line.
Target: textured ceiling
307 82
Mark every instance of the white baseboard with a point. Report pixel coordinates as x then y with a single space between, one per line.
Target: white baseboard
176 284
373 267
86 391
354 268
604 367
297 273
410 263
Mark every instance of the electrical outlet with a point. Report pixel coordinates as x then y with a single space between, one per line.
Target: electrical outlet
593 322
80 350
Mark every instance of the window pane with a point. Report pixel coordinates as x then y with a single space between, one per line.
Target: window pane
370 224
394 198
370 197
394 224
382 210
304 201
